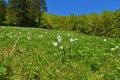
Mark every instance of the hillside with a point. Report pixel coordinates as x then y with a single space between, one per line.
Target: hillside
41 54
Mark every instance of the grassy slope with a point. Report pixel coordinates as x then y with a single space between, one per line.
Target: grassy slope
28 53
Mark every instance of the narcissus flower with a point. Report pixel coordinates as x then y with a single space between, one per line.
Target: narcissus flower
28 37
61 47
105 40
59 38
55 44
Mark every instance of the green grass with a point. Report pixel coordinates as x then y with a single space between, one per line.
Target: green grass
29 54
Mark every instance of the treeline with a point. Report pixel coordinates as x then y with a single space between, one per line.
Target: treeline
31 13
105 24
22 12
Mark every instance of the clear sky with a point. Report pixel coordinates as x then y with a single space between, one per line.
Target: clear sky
66 7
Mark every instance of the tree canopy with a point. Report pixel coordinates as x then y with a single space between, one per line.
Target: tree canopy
2 11
25 12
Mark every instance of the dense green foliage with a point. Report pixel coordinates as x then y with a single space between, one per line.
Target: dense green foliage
2 11
105 24
19 9
39 54
23 12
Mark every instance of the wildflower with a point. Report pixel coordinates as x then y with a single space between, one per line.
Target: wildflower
76 39
112 49
55 44
59 38
28 37
105 40
71 39
61 47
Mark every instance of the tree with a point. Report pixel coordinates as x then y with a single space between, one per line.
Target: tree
20 8
116 23
25 12
2 11
38 7
116 18
92 24
105 23
82 23
71 22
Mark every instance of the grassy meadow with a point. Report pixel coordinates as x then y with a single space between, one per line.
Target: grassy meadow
40 54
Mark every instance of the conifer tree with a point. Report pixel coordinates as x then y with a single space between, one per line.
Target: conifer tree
20 8
2 11
25 12
39 6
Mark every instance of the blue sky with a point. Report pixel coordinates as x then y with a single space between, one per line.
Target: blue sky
66 7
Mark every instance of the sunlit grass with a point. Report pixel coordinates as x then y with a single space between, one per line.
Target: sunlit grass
39 54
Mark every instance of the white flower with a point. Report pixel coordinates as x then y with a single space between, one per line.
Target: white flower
71 39
105 40
61 47
28 37
76 39
112 49
59 38
55 44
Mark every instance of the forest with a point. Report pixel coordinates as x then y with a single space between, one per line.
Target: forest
33 13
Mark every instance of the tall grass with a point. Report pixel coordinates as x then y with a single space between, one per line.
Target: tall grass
38 54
